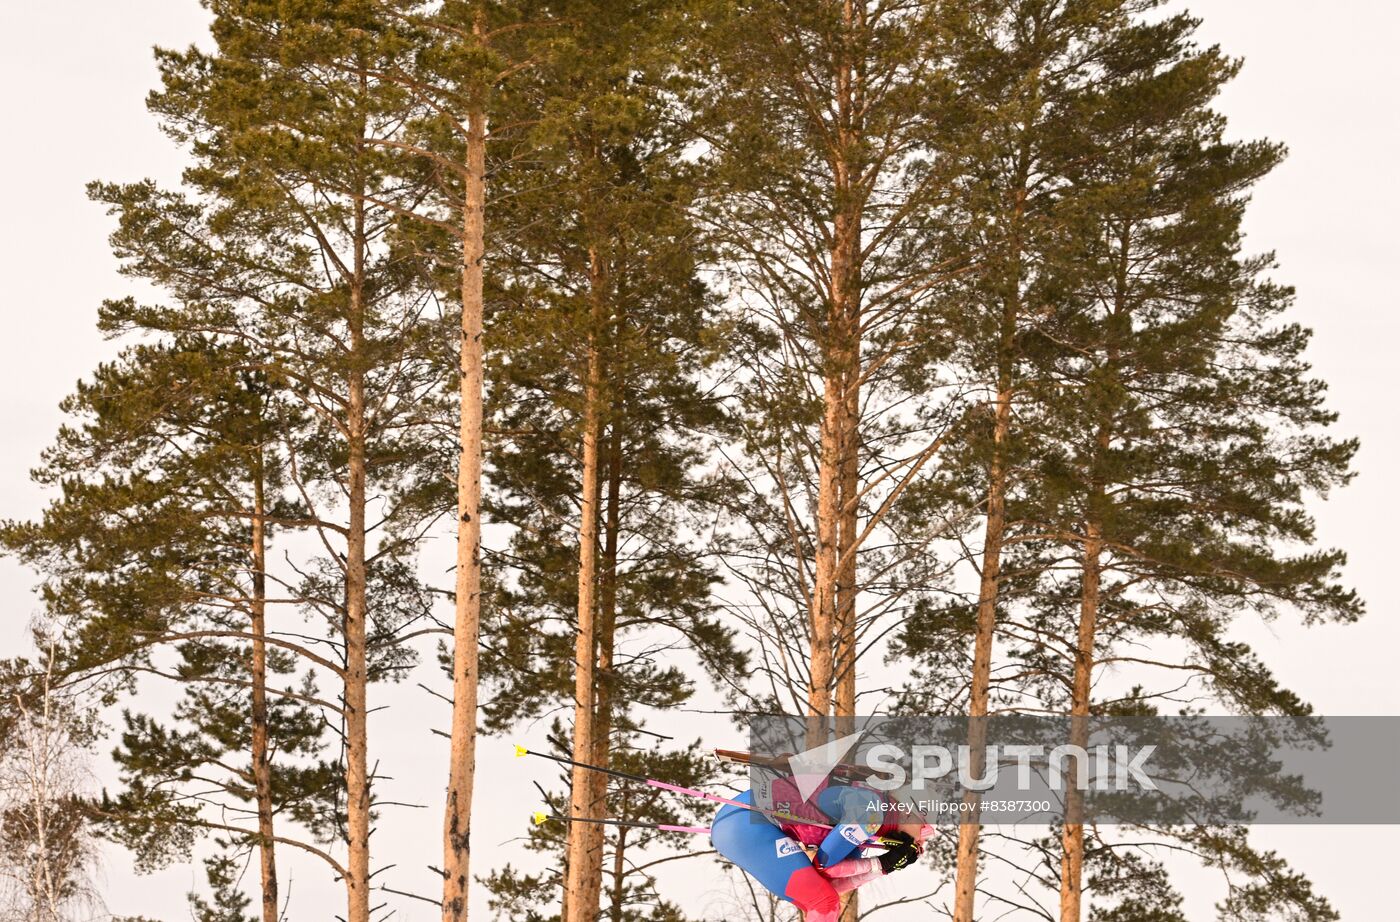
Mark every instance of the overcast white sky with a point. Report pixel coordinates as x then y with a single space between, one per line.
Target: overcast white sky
1321 77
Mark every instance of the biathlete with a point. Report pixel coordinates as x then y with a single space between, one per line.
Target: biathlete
773 850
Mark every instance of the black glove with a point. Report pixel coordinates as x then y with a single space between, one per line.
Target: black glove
901 851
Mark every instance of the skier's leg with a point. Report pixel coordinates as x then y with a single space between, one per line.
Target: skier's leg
776 861
813 894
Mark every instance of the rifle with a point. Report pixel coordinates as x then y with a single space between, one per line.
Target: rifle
779 764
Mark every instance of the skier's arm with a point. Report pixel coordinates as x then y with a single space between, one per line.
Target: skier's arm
853 873
856 821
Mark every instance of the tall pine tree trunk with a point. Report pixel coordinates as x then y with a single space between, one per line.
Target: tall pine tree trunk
604 691
466 629
988 594
1081 682
619 876
848 525
583 866
979 699
823 606
1072 838
831 639
848 574
261 764
357 782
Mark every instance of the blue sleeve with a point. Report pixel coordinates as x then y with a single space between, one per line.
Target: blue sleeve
857 814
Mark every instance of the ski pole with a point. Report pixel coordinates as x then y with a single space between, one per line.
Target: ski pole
541 817
521 752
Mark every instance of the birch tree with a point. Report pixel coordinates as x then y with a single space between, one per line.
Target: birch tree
47 847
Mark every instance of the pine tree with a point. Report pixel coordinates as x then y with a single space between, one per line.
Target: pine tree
280 242
1145 356
1028 68
229 903
824 119
457 57
1200 428
1189 431
598 374
157 548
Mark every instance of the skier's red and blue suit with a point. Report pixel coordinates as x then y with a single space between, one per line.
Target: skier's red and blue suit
771 849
